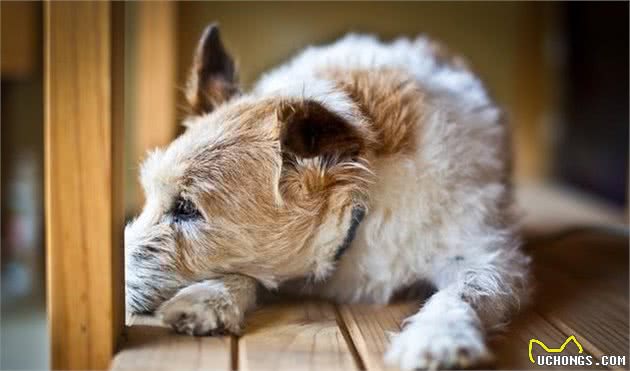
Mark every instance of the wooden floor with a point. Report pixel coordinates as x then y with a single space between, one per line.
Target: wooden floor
581 290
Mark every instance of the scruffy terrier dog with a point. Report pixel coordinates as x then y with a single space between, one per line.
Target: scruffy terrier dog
356 169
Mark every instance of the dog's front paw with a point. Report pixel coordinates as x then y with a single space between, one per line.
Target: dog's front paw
433 346
205 308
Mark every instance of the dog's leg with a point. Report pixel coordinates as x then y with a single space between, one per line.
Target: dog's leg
473 297
210 307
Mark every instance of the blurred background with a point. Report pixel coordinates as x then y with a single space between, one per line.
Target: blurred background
559 69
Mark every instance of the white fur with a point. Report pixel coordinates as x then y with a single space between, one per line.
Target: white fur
366 52
446 333
311 88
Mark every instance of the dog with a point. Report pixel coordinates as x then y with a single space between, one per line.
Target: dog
352 171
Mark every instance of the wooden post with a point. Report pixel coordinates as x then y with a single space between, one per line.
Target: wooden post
83 137
153 96
533 84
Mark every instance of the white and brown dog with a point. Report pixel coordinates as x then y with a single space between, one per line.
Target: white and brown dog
359 168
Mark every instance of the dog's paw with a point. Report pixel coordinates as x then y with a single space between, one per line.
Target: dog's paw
205 308
432 346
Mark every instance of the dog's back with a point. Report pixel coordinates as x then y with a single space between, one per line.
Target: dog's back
440 160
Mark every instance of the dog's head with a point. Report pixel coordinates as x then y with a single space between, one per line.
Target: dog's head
261 185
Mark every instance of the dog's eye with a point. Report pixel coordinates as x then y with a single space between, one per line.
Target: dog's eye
184 210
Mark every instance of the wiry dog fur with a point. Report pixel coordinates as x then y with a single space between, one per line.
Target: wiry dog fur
261 189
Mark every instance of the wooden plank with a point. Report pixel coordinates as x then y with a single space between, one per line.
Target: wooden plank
586 294
294 336
582 274
369 327
511 348
533 86
153 90
117 175
151 346
579 293
83 132
592 257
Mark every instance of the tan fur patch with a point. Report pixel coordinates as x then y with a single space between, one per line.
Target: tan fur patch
391 99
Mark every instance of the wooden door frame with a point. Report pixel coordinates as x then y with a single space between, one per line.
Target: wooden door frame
84 44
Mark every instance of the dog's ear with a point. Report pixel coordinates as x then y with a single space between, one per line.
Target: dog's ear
308 129
212 78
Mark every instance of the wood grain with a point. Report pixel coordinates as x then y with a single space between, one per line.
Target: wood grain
151 346
511 348
153 91
370 326
581 290
584 293
294 336
83 132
